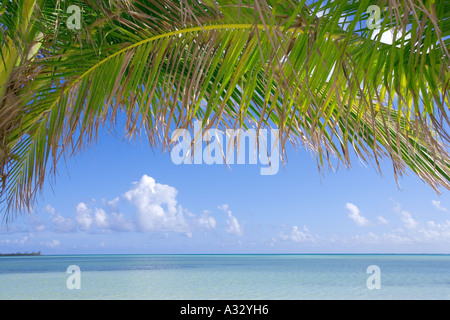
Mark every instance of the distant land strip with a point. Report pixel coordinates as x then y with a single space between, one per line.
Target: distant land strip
21 254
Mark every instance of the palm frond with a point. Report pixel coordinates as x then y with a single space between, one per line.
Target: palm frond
312 70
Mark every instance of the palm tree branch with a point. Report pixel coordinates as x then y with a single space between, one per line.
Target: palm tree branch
289 71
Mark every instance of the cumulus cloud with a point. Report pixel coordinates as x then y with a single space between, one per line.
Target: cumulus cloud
411 231
355 215
83 216
98 219
50 244
24 240
435 231
37 224
101 219
118 222
63 224
429 232
438 206
233 226
405 217
113 203
206 221
382 220
223 207
156 207
297 235
50 209
408 220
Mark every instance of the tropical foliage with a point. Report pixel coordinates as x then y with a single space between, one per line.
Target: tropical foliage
315 70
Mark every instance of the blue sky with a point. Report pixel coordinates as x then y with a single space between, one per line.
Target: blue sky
121 197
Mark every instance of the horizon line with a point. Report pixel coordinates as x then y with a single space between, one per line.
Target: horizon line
225 254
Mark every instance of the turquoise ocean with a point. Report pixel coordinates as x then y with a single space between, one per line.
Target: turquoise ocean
225 277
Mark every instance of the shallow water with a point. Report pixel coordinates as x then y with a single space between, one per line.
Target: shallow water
262 277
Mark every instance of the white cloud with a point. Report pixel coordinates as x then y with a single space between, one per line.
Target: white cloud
21 242
405 216
298 235
104 221
415 233
39 227
356 216
92 220
50 209
37 224
50 244
437 205
206 221
233 225
156 207
113 203
101 219
382 220
83 216
223 207
232 222
118 222
411 232
62 224
408 220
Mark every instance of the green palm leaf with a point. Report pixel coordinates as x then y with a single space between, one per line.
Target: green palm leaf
311 69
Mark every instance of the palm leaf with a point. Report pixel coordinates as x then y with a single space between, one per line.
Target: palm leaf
312 70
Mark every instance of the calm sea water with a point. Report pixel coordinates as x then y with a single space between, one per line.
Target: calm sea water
264 277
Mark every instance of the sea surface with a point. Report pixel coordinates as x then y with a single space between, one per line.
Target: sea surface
230 277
